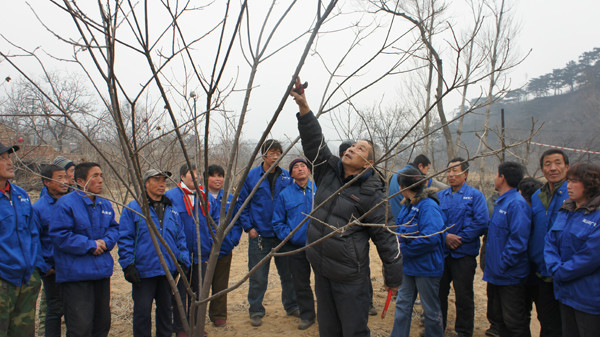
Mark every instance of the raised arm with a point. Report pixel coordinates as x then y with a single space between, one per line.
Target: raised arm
313 143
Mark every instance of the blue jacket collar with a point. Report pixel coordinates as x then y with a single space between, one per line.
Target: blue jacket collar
507 194
461 190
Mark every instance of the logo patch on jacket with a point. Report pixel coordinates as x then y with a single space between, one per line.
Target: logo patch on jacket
106 212
590 222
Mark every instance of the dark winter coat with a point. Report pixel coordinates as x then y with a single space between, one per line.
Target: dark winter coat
344 257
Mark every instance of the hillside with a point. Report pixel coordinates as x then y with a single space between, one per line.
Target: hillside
571 119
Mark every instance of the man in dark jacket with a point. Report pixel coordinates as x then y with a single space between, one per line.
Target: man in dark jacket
341 260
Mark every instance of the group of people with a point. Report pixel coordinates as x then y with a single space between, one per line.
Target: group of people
65 240
541 247
540 243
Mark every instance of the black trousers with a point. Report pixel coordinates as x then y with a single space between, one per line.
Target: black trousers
87 307
548 309
54 306
508 309
192 276
460 272
577 323
152 289
342 308
300 268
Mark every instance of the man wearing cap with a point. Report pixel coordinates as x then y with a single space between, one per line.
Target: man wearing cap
19 245
54 179
140 261
84 231
292 206
192 210
256 220
69 168
348 190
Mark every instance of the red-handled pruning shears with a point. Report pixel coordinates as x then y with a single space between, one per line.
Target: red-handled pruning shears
387 304
299 88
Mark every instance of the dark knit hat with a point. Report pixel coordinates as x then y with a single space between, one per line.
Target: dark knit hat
9 149
63 162
296 161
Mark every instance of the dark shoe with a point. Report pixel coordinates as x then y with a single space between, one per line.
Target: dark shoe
491 332
372 311
256 321
305 324
295 313
220 322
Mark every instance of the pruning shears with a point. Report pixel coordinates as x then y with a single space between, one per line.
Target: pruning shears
387 304
299 88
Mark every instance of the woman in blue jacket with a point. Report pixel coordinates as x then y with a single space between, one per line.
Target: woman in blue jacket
571 253
420 222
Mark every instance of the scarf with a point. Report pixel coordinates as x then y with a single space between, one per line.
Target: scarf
187 199
6 189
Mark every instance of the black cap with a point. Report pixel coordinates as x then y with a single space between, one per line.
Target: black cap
9 149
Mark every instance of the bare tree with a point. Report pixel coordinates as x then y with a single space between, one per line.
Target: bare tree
151 116
499 44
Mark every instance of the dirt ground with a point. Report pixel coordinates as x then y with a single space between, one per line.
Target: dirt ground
276 322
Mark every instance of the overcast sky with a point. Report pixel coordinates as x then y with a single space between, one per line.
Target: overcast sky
555 31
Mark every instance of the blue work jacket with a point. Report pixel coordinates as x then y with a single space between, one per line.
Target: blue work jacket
19 238
467 216
135 243
506 260
259 211
424 256
189 223
232 239
42 213
77 223
571 255
292 206
542 220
